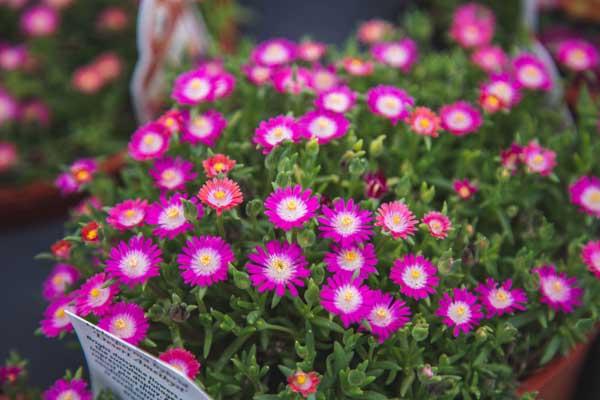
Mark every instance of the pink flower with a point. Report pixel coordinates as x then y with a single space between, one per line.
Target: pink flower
460 311
389 102
272 132
500 92
80 173
558 291
339 100
274 53
203 128
396 219
35 111
401 55
311 51
460 118
511 157
323 125
12 58
112 18
95 295
109 65
491 59
217 164
62 389
278 267
531 73
258 74
291 207
134 262
590 254
438 224
375 184
351 260
172 173
291 80
88 79
126 321
374 31
472 25
172 120
345 223
193 87
221 194
464 188
62 278
205 260
538 159
424 122
182 360
578 55
224 84
149 141
346 298
386 315
127 214
323 78
168 216
585 193
9 107
501 300
416 276
8 156
55 319
305 383
39 21
357 67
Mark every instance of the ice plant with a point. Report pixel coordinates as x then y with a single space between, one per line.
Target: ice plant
87 79
578 55
204 128
531 73
221 194
357 66
305 383
501 298
134 262
590 254
278 267
61 249
585 193
62 278
438 224
193 87
500 92
95 295
258 74
8 156
323 78
74 389
168 216
90 232
345 222
415 275
460 118
172 173
127 214
386 315
538 159
374 30
149 141
172 120
464 188
492 59
511 157
396 219
182 360
339 99
126 321
274 52
311 51
56 320
291 207
204 260
460 311
389 102
354 260
219 164
375 184
559 291
346 298
323 125
424 122
274 131
401 55
472 25
40 21
291 80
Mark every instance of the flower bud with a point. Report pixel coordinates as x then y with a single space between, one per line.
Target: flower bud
376 146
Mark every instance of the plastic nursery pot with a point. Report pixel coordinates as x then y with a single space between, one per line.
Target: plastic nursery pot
558 380
41 199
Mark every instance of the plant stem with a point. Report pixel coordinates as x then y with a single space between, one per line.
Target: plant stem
230 351
221 226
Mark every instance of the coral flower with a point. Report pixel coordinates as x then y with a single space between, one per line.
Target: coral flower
291 80
172 120
90 232
258 74
274 52
311 51
585 193
149 141
357 67
134 262
109 65
182 360
511 157
62 277
503 89
8 154
40 21
272 132
305 383
168 216
590 254
424 122
217 164
193 87
386 315
56 320
74 389
396 219
95 295
491 59
374 31
538 159
126 321
501 299
389 102
472 25
127 214
345 223
460 118
221 194
352 260
559 291
203 128
416 276
112 19
339 100
323 125
278 267
578 55
346 298
531 73
460 311
401 55
438 224
464 188
87 79
205 260
291 207
172 173
61 249
83 170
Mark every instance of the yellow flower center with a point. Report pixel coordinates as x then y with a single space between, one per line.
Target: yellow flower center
82 175
95 292
390 103
356 63
348 296
350 256
168 175
169 122
595 197
460 310
415 274
424 123
149 139
501 295
464 192
219 166
92 235
200 122
130 213
292 205
67 396
60 313
459 117
219 195
557 286
396 219
205 259
492 101
322 123
537 159
120 323
278 264
301 378
577 55
58 280
278 133
381 313
347 220
173 213
435 226
196 83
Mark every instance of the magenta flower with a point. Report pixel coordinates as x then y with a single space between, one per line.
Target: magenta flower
504 89
352 259
460 311
501 299
39 21
578 55
56 321
538 159
416 276
149 141
126 321
182 360
203 128
323 78
277 267
464 188
585 193
323 125
531 73
386 315
95 295
401 55
511 157
134 262
168 215
12 58
274 52
291 80
389 102
346 298
345 223
127 214
396 219
460 118
224 84
272 132
472 25
193 87
62 278
311 51
9 107
558 291
291 207
491 59
74 389
172 173
438 224
205 260
590 254
257 74
338 100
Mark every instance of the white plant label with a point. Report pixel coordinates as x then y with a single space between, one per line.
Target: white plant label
128 372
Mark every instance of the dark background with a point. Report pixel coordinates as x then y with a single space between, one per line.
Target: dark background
330 21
